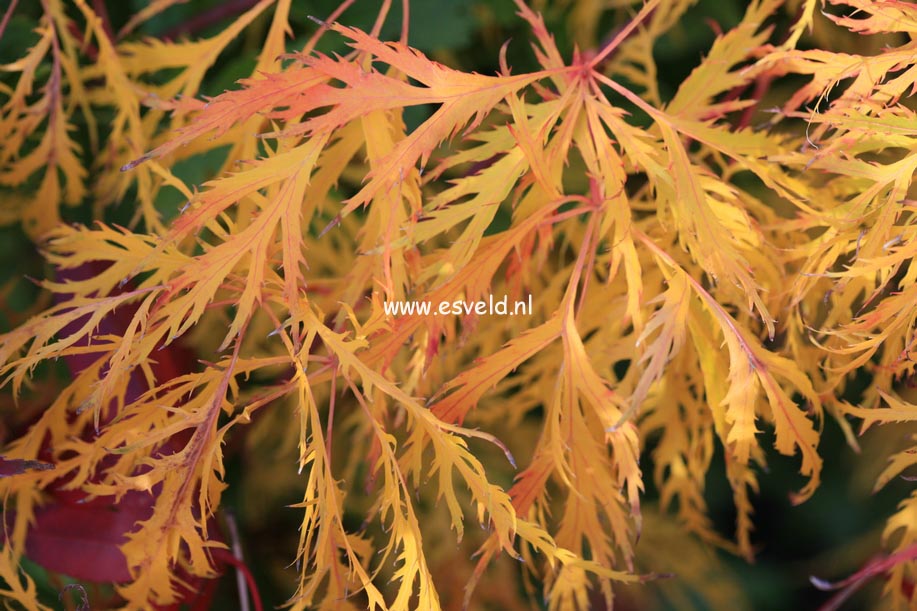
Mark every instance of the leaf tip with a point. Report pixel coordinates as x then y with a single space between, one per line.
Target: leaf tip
821 584
334 223
133 164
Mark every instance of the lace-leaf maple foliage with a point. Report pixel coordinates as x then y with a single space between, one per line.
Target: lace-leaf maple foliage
743 274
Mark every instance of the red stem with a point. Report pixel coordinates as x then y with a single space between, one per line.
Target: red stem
226 556
7 15
856 581
228 9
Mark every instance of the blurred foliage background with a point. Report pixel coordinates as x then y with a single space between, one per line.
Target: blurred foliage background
830 536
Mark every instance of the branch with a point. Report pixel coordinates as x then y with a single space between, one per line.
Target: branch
228 9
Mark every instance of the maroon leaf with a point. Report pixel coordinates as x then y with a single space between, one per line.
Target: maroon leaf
83 540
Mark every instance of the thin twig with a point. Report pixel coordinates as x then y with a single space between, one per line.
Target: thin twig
7 15
237 553
847 587
405 21
323 25
639 18
222 11
380 18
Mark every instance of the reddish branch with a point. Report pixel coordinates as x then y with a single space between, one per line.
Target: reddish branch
98 6
91 51
228 9
619 35
7 15
856 581
225 556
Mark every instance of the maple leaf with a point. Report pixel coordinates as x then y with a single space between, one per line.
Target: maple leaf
697 279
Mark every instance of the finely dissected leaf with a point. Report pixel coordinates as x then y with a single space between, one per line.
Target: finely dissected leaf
475 382
21 120
671 320
897 411
696 269
883 16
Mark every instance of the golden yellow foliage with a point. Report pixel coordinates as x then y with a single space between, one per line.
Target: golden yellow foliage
744 275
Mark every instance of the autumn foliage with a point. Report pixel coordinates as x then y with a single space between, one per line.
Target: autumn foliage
718 276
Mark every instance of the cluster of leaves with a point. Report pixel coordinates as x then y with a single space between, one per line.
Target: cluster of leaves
697 280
